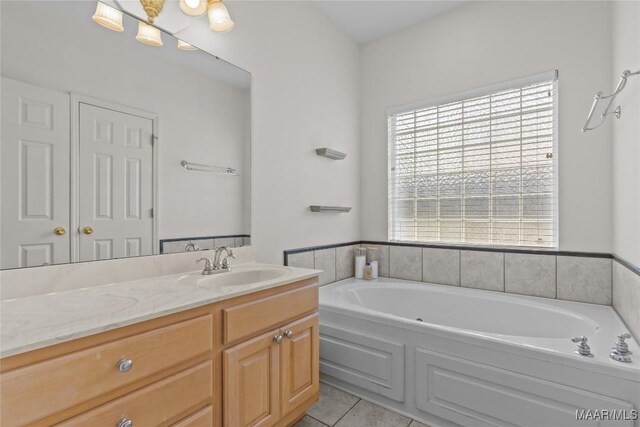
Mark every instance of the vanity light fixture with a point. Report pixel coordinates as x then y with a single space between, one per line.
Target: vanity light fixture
219 19
148 34
193 7
108 17
152 8
185 46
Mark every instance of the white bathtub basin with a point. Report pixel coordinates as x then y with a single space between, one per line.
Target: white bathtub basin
475 358
485 312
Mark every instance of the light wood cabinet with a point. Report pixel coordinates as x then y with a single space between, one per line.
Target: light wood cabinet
251 382
268 377
299 363
213 365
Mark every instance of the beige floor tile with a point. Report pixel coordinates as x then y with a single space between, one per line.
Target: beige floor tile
333 404
366 414
307 421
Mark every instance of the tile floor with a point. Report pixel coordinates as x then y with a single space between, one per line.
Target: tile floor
340 409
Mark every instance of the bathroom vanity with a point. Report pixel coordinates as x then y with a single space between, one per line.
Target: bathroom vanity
234 349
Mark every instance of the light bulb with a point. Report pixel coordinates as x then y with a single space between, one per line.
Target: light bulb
108 17
185 46
148 34
219 19
193 7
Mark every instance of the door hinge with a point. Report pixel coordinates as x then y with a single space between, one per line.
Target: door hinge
151 212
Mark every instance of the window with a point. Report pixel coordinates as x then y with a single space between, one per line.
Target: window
478 168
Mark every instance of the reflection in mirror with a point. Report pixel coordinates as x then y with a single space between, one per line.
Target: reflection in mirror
114 148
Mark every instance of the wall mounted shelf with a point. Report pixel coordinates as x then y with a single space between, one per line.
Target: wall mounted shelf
330 154
336 209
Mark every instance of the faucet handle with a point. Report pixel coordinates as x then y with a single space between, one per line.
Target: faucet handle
207 262
583 347
225 261
622 347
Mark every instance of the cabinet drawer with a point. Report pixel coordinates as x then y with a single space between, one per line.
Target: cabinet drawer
245 320
44 388
157 404
202 418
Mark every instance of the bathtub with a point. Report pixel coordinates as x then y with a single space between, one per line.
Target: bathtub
454 356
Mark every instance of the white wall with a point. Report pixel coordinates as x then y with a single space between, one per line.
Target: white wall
305 94
484 43
626 133
201 119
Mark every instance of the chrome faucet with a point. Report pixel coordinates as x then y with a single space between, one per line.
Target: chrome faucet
224 265
217 266
620 352
208 266
190 247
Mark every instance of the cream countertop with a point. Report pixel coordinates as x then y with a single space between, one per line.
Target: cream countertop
43 319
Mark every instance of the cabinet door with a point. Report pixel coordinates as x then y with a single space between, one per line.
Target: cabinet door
251 382
299 362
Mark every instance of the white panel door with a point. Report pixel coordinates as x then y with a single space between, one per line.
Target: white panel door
35 175
115 188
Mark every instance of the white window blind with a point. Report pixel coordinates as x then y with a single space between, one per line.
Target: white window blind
479 170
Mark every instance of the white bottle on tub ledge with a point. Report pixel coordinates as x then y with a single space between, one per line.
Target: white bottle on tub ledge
360 261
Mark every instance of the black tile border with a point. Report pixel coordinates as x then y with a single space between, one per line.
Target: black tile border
627 264
528 251
181 239
315 248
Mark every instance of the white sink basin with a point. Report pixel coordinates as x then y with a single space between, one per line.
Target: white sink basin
242 276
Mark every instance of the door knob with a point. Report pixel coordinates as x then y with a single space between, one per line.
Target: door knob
87 230
59 231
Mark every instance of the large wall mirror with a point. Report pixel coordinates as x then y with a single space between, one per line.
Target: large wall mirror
113 148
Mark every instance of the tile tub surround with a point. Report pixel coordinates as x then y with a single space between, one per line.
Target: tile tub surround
527 274
64 277
441 266
177 245
577 276
336 261
325 260
584 280
626 296
405 262
482 270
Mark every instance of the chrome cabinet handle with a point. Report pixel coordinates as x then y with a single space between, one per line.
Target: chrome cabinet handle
125 422
124 365
288 334
277 339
